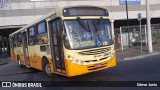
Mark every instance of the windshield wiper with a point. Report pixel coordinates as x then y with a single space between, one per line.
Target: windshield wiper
98 25
85 26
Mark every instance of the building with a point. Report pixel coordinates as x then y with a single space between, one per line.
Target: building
14 14
17 13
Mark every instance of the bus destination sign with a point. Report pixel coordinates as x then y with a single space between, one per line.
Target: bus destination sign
89 11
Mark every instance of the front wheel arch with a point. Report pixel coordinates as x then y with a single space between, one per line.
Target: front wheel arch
46 68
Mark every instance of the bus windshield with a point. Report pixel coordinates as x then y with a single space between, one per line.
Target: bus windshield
83 34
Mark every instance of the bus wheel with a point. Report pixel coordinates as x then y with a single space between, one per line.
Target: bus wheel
47 68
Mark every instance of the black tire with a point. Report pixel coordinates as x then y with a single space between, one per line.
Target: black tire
46 68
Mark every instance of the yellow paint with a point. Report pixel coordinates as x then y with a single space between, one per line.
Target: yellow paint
74 69
59 70
35 61
51 65
21 56
12 56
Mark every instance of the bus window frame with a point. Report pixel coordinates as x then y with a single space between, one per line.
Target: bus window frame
31 36
16 39
43 33
44 21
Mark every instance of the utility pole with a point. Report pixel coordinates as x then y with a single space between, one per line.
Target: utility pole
127 23
150 47
140 19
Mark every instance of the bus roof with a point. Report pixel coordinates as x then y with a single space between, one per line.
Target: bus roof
55 11
29 25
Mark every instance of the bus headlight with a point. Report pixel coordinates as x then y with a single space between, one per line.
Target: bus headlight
76 61
71 59
113 53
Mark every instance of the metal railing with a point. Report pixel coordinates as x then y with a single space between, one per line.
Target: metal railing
135 36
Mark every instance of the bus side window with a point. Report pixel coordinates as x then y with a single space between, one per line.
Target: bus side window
15 40
32 37
19 40
42 36
59 27
11 42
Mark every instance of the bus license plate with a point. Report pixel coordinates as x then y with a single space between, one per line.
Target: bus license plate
97 65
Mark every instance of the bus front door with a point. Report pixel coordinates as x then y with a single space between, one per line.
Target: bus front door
56 46
12 48
25 48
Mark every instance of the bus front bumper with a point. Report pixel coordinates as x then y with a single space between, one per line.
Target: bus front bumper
75 69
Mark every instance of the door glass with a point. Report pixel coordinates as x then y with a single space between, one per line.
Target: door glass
55 40
57 44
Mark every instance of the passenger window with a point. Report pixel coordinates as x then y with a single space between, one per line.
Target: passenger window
41 28
15 40
18 40
11 42
59 27
42 36
32 37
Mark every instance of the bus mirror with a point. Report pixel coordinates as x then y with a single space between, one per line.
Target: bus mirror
64 36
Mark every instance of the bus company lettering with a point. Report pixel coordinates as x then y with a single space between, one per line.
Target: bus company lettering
84 43
14 84
34 85
147 85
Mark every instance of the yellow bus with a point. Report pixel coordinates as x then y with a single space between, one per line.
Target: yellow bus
69 41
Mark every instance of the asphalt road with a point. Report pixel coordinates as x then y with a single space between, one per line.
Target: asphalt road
145 69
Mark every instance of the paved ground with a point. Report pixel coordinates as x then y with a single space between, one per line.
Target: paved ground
135 51
129 68
5 60
145 69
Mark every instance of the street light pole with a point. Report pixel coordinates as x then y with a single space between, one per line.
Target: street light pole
127 23
150 47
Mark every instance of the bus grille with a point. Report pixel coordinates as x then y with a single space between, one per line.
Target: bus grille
90 61
95 51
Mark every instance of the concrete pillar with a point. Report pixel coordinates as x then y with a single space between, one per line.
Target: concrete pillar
150 47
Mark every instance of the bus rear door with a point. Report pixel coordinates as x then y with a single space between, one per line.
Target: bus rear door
25 48
56 45
12 48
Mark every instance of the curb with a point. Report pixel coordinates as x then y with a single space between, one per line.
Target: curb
139 57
